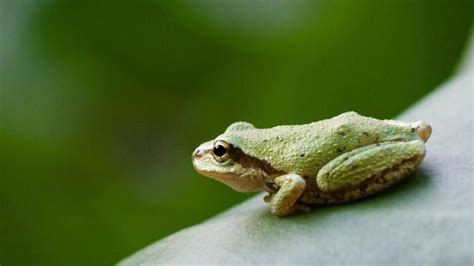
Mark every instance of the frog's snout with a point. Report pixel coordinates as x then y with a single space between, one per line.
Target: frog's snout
423 130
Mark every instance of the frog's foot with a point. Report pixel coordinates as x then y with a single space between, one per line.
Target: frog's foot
296 207
389 161
283 202
423 130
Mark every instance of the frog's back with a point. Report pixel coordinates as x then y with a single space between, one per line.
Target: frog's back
348 131
304 149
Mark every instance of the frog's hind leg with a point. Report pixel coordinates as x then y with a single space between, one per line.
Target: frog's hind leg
367 170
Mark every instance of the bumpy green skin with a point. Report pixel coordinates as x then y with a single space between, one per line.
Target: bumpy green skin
305 149
353 167
330 161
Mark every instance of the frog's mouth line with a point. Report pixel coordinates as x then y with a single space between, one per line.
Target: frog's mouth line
233 181
217 176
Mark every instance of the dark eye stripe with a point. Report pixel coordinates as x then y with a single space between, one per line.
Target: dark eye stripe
248 161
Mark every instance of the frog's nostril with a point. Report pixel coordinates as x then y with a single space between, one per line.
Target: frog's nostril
198 153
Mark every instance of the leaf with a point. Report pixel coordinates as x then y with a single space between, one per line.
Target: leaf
426 219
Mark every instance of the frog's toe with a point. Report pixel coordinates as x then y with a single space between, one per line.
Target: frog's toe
423 130
268 198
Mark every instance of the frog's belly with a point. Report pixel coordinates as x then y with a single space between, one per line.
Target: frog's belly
314 195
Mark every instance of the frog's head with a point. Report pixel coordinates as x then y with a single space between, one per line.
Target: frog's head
224 160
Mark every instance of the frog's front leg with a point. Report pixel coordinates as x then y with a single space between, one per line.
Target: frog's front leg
283 202
390 161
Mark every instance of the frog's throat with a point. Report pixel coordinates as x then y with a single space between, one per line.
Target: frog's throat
247 161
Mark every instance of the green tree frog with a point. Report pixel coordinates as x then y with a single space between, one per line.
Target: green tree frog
330 161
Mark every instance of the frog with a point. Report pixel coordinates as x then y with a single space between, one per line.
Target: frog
331 161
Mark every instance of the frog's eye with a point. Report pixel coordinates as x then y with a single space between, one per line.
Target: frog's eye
221 151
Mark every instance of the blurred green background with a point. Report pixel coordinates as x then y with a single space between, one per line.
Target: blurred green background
102 103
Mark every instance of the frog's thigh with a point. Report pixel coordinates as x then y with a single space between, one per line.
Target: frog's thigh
391 159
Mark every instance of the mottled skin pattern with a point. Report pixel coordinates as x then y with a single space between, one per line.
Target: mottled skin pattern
330 161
